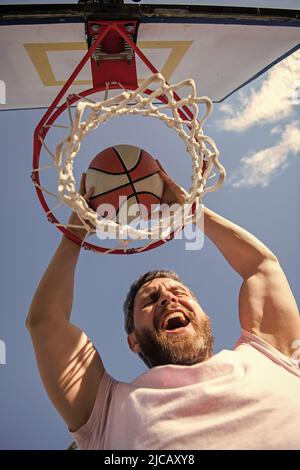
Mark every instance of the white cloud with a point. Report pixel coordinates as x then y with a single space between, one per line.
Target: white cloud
275 99
257 169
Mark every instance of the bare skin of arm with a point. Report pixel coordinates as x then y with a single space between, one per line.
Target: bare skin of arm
69 365
267 306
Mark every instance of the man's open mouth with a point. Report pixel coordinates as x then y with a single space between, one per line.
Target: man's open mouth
174 320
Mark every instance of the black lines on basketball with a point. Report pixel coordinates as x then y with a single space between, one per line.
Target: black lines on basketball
127 184
128 171
124 174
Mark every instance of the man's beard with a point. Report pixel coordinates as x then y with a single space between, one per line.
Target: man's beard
159 348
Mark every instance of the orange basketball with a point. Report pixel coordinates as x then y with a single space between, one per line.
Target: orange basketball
126 171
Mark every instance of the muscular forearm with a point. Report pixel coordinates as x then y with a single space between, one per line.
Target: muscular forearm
242 250
54 295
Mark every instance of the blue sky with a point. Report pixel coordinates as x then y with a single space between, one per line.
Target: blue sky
255 129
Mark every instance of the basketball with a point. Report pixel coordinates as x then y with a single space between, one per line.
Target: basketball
126 172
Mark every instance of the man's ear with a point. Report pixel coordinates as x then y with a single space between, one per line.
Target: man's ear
133 343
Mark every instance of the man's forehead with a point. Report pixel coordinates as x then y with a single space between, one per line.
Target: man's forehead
158 282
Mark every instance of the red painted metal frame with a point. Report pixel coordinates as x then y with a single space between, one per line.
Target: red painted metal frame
112 45
56 109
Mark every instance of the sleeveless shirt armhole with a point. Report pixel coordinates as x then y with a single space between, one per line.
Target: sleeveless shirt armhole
84 434
269 351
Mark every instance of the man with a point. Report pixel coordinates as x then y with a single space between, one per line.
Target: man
247 398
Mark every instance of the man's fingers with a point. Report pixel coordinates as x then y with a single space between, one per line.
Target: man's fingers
165 175
161 167
168 180
82 190
172 191
82 184
89 194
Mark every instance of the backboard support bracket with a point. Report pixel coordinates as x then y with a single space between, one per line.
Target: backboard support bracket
113 58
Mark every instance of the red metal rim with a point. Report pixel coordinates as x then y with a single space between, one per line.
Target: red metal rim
55 111
42 131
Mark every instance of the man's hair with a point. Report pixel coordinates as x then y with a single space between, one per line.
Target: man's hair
135 287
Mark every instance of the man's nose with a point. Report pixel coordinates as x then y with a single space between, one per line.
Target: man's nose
166 297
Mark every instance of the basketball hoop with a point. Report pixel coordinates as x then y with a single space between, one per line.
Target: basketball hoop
181 115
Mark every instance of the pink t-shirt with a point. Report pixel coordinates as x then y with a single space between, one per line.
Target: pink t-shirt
248 398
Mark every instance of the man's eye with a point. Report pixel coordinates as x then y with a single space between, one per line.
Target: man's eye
148 302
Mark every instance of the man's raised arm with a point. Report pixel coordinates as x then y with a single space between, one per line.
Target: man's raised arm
266 304
70 367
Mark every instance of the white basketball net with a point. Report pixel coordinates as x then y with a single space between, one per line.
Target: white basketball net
89 115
